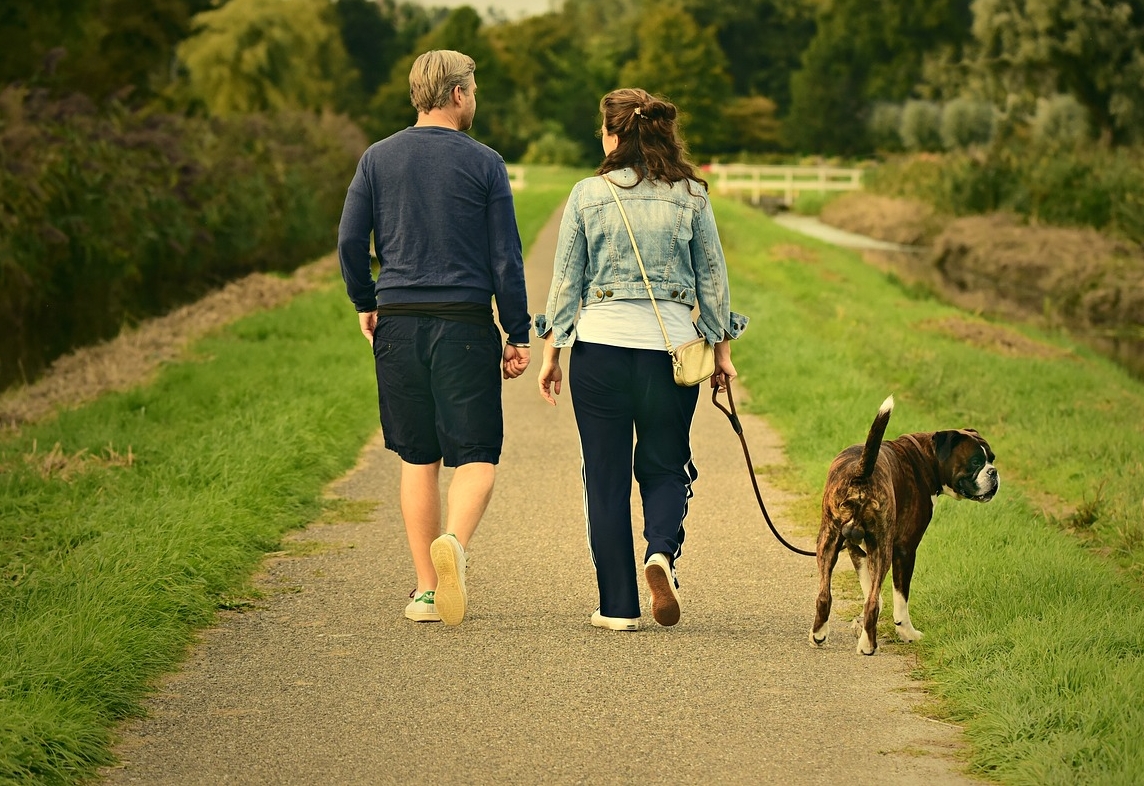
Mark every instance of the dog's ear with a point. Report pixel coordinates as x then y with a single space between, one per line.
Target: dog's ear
944 442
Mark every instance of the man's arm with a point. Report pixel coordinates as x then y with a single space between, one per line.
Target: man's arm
354 232
506 260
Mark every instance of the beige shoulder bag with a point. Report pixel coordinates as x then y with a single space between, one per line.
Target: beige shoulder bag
693 361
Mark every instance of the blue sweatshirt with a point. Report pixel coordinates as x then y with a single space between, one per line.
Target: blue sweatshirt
440 209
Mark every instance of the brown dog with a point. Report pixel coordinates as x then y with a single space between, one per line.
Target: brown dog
878 501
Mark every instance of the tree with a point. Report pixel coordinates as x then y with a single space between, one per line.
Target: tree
98 47
29 29
752 123
390 110
607 30
555 96
1091 49
865 51
762 40
683 62
370 39
266 55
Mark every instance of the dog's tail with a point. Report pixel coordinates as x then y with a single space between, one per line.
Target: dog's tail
874 438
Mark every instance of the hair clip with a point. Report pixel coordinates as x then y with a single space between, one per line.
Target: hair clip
637 110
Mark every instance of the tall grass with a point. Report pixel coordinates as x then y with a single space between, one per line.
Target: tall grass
159 502
1034 642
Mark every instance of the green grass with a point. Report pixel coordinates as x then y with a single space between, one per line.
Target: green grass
545 188
811 203
1034 640
109 565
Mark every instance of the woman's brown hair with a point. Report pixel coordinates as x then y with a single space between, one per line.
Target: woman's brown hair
649 140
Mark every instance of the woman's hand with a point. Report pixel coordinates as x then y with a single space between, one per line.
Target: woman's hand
724 368
551 374
550 380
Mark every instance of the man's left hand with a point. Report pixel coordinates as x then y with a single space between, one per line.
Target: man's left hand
514 361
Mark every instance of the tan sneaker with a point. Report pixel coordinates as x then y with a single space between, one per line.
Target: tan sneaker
660 577
449 560
615 623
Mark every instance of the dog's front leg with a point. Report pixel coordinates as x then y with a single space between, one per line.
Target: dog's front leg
829 546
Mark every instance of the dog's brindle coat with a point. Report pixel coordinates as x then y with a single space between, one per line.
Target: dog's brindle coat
878 501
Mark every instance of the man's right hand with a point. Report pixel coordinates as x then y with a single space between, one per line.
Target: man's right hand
368 322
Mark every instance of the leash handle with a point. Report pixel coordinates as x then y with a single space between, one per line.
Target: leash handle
732 415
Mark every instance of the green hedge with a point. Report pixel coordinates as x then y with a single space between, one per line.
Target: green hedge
108 216
1084 186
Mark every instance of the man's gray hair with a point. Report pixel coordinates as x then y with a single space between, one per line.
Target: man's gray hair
435 74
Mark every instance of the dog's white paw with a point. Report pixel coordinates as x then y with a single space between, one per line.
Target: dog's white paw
907 632
818 637
865 646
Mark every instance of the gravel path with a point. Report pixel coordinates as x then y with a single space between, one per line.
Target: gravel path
809 225
325 682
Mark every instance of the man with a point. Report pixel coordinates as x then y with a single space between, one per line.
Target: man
441 212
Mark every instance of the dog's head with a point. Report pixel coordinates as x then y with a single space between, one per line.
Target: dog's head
966 463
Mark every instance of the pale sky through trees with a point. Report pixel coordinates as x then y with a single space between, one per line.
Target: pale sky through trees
512 9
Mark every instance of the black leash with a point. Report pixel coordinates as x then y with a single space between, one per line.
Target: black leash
735 424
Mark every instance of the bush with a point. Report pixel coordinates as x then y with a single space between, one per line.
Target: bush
1087 186
966 122
107 217
921 126
552 147
884 126
1060 120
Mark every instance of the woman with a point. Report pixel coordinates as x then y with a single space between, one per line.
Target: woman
619 373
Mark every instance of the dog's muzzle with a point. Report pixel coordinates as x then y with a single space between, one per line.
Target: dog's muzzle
987 478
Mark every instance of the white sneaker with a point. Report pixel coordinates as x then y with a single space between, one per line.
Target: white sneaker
660 577
449 560
422 608
615 623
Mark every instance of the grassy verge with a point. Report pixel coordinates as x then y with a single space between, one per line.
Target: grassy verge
545 188
125 524
1035 640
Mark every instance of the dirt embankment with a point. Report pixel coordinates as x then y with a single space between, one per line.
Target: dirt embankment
135 354
1075 278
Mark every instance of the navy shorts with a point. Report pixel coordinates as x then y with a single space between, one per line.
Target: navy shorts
439 389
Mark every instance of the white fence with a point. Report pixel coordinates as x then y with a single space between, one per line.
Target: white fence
756 180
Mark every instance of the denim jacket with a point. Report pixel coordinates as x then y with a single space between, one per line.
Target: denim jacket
678 241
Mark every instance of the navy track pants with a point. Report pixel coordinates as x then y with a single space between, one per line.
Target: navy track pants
618 393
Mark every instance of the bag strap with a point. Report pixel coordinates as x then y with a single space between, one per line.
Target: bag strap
639 259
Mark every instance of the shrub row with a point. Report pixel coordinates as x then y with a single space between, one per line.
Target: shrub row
1086 186
109 216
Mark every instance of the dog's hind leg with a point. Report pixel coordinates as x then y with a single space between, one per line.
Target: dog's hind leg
829 546
871 574
903 575
862 570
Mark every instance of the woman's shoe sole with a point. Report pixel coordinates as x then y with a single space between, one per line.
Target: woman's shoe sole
664 598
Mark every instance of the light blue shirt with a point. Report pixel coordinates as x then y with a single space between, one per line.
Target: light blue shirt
632 324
